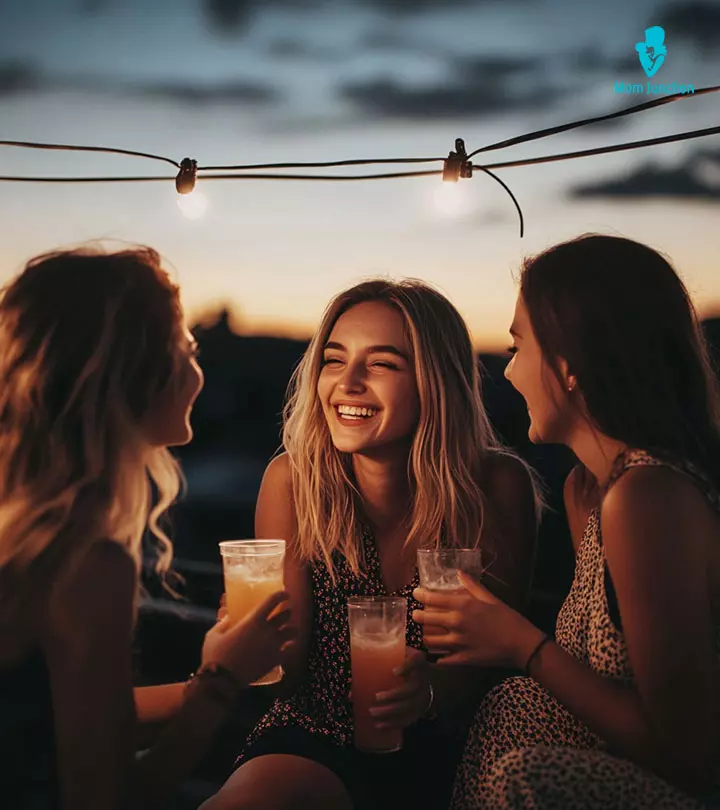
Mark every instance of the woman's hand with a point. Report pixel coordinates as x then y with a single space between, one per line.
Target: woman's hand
401 707
253 646
480 630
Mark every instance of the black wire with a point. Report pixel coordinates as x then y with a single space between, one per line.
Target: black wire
326 164
148 178
543 133
72 148
512 196
356 162
683 136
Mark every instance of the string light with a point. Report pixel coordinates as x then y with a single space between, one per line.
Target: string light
456 165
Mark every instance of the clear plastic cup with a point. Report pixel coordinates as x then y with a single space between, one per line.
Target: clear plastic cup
439 567
377 647
253 570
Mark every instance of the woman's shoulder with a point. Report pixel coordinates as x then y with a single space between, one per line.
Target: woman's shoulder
98 584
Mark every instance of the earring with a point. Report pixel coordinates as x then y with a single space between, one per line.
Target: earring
571 386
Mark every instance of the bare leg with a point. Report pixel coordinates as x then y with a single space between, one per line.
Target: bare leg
281 782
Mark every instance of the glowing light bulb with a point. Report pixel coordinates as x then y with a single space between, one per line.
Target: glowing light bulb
451 199
193 205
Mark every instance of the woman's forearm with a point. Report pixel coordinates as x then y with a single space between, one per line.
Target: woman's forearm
181 745
609 708
156 704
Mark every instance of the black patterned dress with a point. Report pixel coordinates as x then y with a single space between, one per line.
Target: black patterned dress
526 750
317 722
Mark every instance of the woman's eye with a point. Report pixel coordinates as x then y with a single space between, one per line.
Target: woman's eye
385 365
512 349
327 360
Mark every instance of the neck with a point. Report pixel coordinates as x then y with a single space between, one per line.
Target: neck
597 452
384 486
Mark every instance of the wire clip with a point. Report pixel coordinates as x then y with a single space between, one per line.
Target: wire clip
185 181
457 164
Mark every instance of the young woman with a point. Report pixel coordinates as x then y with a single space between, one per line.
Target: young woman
621 709
388 448
98 378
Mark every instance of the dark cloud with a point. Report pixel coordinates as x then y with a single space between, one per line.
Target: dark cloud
452 100
247 92
497 68
697 23
417 6
17 78
593 60
290 49
693 180
482 85
234 16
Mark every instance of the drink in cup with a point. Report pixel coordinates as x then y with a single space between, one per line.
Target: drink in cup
253 570
439 568
377 647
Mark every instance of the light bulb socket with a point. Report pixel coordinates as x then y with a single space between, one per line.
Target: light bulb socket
187 176
457 165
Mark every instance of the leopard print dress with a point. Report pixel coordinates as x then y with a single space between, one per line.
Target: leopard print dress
525 750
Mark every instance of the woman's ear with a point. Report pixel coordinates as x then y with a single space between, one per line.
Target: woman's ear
569 380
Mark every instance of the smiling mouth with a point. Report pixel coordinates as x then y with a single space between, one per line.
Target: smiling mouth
349 415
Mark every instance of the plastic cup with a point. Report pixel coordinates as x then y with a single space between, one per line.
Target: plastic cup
253 570
439 569
377 647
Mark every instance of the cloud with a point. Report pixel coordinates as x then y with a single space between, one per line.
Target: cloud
697 179
287 48
17 78
20 78
468 99
697 23
419 6
484 85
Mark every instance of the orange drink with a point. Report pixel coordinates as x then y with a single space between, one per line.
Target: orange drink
253 570
439 567
377 647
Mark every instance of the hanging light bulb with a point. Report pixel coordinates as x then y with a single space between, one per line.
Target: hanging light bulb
193 205
191 202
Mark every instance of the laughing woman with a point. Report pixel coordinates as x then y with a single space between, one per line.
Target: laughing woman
388 448
621 709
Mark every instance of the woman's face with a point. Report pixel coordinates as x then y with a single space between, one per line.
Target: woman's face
168 421
531 376
367 386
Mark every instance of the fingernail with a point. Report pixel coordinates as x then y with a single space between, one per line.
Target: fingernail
397 671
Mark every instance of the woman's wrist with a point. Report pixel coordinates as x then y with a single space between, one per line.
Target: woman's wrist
527 640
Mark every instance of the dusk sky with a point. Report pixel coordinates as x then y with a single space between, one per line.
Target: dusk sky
250 81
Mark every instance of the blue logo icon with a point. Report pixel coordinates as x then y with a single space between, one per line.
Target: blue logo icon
652 52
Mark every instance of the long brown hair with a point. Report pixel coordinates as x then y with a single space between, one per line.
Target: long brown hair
617 312
88 339
452 440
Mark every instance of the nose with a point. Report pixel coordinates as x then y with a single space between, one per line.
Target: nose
352 378
508 373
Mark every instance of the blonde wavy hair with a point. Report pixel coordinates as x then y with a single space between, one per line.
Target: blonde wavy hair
452 439
88 339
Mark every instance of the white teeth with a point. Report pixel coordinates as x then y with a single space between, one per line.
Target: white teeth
350 410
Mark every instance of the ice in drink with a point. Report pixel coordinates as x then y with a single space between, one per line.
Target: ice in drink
439 569
377 647
253 570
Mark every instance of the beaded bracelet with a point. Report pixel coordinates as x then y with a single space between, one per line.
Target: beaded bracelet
533 655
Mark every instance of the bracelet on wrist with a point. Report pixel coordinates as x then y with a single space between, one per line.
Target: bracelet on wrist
534 654
429 714
218 682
